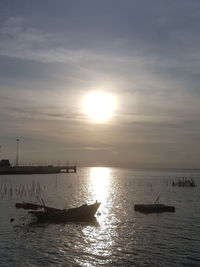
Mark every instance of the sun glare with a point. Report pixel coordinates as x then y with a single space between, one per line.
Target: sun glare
99 106
100 181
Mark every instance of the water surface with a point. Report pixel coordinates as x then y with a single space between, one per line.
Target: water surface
122 236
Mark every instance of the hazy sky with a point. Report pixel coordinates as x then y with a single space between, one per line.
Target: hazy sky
145 52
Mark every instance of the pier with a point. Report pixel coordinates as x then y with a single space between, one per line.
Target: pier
6 168
68 168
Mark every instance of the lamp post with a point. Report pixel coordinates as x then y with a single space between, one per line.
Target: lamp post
0 151
17 152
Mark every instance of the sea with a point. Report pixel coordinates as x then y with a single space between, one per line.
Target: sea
119 237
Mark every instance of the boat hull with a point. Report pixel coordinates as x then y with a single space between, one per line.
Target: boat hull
84 213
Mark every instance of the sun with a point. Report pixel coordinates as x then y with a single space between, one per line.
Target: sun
99 106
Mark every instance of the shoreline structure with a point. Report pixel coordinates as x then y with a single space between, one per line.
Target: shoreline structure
6 168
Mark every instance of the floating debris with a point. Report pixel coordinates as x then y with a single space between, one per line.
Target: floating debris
154 208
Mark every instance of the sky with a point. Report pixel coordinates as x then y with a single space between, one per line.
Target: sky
145 53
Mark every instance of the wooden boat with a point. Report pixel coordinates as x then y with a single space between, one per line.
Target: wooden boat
154 208
84 213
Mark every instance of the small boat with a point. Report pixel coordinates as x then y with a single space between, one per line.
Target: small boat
154 208
84 213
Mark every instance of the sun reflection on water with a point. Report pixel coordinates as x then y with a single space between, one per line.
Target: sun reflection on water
99 181
100 240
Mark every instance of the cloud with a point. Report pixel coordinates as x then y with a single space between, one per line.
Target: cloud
147 53
24 42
